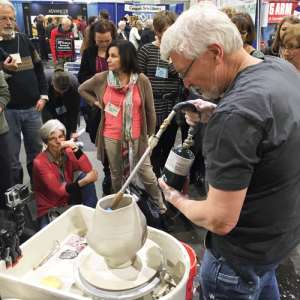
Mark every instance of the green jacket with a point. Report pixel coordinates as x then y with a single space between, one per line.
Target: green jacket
4 99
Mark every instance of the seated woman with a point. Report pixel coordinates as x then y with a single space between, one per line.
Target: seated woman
64 100
291 45
245 25
124 96
53 173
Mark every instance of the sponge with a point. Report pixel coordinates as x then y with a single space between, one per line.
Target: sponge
52 281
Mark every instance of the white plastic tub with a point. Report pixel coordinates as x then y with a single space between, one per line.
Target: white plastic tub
23 283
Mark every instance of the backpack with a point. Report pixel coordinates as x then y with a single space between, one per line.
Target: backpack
146 205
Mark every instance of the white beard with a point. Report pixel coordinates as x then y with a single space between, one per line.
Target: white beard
211 93
7 31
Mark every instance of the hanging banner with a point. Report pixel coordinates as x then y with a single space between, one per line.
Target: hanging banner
280 9
56 11
140 11
143 8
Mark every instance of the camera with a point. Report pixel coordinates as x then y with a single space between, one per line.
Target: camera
4 56
16 195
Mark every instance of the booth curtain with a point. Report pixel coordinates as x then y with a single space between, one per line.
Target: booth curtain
92 10
177 8
111 7
19 16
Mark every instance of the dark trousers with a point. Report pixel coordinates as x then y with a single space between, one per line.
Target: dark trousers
43 47
5 169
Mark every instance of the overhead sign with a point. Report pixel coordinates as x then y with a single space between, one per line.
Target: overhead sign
143 8
280 9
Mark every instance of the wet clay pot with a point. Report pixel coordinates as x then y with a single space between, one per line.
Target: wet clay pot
117 235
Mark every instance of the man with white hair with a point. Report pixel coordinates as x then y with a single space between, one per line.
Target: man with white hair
24 73
252 146
62 43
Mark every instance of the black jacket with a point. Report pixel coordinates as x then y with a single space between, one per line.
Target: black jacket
147 36
268 51
40 28
71 99
88 65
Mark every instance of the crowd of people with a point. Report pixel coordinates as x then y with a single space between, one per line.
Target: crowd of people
131 79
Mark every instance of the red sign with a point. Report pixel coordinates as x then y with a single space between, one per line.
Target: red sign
280 9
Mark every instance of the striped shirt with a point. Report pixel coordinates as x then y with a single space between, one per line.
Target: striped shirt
149 59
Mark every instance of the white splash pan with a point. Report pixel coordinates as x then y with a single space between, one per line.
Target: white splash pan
23 283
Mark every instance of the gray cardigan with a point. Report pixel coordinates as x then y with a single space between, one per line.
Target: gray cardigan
4 100
93 90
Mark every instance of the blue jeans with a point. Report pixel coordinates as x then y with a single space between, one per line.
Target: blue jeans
87 197
29 122
220 279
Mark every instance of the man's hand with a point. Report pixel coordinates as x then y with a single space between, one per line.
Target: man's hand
10 66
40 104
1 110
74 136
92 176
205 107
56 62
173 196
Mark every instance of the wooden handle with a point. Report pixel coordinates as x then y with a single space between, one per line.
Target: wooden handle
116 200
42 259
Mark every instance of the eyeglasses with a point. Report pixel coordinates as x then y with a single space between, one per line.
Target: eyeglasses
5 19
54 138
289 48
183 76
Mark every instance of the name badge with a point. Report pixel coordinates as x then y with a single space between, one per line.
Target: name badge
17 57
161 72
112 109
61 110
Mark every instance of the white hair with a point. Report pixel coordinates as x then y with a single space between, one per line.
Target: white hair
203 24
7 3
49 127
149 25
65 21
121 23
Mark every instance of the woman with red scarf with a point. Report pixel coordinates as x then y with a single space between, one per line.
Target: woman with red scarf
124 96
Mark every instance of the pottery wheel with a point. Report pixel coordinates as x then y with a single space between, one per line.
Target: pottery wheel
95 271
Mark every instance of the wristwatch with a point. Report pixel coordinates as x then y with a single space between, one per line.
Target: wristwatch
75 148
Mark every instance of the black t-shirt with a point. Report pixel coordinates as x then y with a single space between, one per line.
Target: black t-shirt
252 141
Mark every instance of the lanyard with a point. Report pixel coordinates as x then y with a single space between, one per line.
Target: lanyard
122 99
9 46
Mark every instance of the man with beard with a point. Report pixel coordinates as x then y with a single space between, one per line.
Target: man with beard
251 144
24 73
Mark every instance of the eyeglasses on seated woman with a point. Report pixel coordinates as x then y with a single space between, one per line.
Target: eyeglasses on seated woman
53 173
